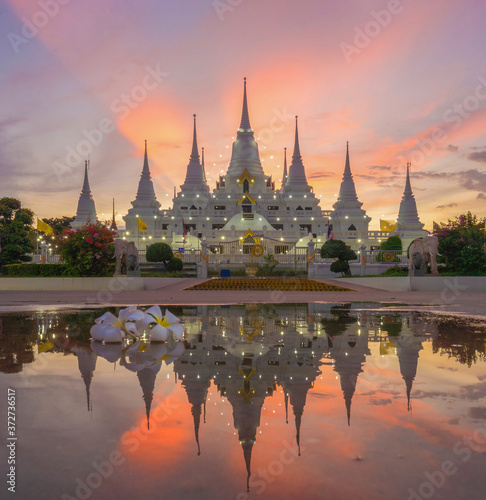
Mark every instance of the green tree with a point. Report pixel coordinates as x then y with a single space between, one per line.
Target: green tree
337 249
16 233
159 252
174 265
462 244
89 250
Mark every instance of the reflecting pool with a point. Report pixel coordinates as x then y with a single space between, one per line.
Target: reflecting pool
257 401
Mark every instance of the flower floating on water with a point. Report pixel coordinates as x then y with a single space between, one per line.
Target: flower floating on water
108 328
158 326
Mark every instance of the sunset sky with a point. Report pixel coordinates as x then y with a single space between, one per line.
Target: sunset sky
398 79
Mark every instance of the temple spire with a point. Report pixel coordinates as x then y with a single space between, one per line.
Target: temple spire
245 117
408 187
145 169
203 166
113 226
86 211
86 189
195 152
285 175
195 178
408 218
296 180
347 167
296 155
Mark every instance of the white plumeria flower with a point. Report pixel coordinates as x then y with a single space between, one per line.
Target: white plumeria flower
107 328
176 353
133 320
160 325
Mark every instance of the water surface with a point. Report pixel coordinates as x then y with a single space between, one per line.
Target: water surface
258 401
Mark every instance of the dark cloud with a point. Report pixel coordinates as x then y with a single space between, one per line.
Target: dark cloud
320 175
473 179
451 148
380 167
481 196
380 401
477 413
479 156
449 205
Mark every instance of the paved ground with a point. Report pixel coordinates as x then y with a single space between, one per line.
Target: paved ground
470 303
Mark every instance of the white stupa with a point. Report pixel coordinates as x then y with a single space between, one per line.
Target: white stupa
86 211
409 226
348 214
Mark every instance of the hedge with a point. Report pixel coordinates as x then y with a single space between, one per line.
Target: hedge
35 270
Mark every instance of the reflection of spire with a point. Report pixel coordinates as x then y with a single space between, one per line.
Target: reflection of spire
87 377
408 348
197 391
146 377
196 415
247 448
349 353
297 390
87 365
286 407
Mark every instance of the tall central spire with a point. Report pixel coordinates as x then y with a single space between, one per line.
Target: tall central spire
245 117
244 154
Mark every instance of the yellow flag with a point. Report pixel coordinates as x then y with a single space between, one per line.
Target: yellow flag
45 228
46 346
388 225
141 225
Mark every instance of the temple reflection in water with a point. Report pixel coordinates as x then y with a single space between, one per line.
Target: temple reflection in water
249 353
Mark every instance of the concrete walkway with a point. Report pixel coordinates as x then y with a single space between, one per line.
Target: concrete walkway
446 301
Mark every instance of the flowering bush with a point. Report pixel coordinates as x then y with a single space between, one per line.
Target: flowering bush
462 244
89 250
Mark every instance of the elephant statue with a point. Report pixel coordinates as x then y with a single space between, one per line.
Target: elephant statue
126 257
427 247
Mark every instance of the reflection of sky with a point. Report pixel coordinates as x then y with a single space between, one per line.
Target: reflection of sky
384 451
391 95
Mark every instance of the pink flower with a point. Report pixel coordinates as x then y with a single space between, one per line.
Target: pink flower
89 240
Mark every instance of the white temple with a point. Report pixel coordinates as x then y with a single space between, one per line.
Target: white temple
246 199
